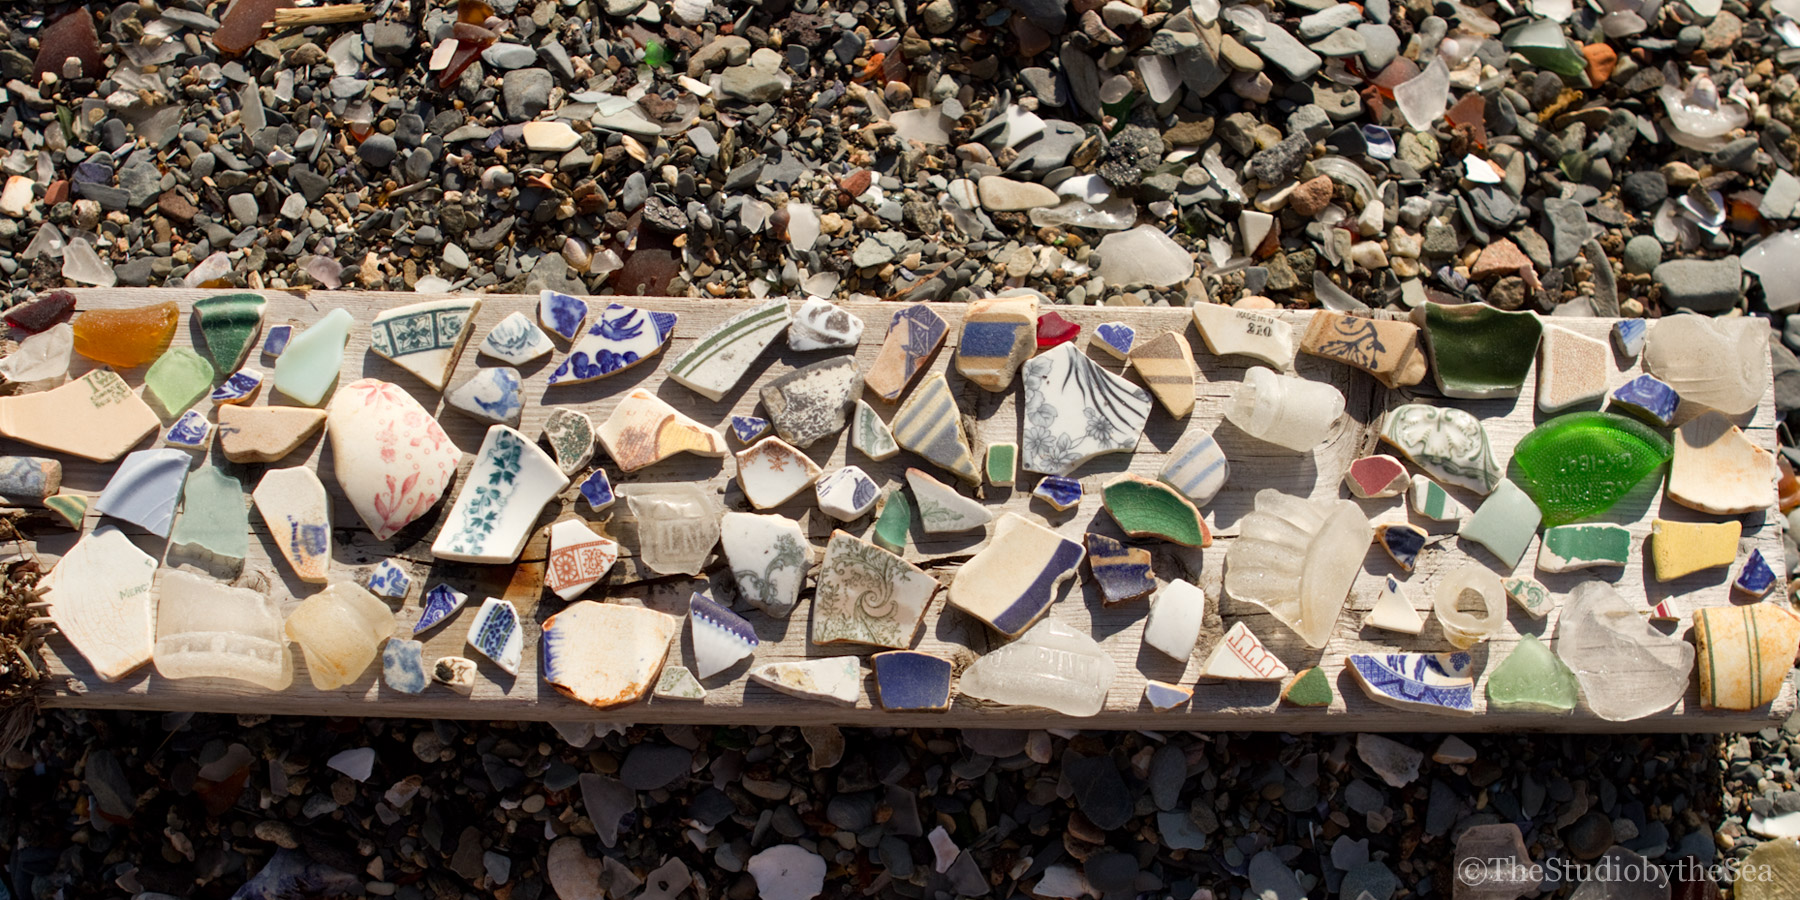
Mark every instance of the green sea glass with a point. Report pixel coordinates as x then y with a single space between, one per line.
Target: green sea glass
896 517
230 323
1476 350
312 359
1579 465
176 381
1532 678
214 518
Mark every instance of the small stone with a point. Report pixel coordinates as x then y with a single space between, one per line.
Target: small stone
1144 255
1393 610
1396 763
1701 285
788 871
1005 195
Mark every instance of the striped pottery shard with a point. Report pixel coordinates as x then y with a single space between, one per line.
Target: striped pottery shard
1166 363
718 360
96 416
425 338
867 595
1197 468
1122 571
1012 581
914 334
814 401
393 461
1386 349
1744 653
99 595
644 430
930 425
1075 410
606 654
619 337
997 335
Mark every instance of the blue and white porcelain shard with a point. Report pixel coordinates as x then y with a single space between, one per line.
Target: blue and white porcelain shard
145 489
561 313
276 340
911 680
189 432
516 340
1116 338
403 665
1647 397
495 396
1427 682
239 387
1756 578
496 634
606 654
1628 336
1403 542
847 493
440 603
718 359
388 579
501 497
721 637
1061 493
1164 697
1075 410
1011 582
619 338
597 491
1197 468
749 428
1120 574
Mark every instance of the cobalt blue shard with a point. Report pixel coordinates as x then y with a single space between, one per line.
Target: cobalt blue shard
721 637
1648 398
1628 336
1756 577
1046 568
749 428
989 340
189 432
1381 143
1118 336
907 680
1164 697
1430 682
1403 541
403 666
619 336
1058 491
388 579
275 343
1123 572
562 313
239 385
597 491
440 603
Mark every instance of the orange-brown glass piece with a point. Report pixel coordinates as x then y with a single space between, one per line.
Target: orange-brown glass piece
126 338
1788 487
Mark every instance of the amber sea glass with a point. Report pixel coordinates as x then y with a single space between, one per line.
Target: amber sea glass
126 338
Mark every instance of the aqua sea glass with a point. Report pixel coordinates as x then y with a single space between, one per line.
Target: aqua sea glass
1579 465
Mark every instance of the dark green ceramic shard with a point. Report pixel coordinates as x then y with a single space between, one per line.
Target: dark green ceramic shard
1476 350
1579 465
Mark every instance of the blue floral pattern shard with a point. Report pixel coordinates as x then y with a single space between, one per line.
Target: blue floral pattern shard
403 666
1756 578
597 491
239 387
388 579
1116 338
749 428
1431 682
1647 397
619 337
1628 336
562 313
189 432
1058 491
441 602
496 634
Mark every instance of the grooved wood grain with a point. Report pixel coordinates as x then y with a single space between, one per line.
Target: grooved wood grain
991 417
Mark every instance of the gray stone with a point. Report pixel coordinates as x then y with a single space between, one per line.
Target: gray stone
1282 161
378 151
1100 792
1374 879
505 57
649 767
526 93
1344 42
1271 879
1644 190
1111 872
752 84
1317 25
1702 285
1642 255
1381 45
1787 373
243 206
1568 230
1168 771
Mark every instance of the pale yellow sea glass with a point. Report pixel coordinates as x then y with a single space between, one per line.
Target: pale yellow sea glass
340 629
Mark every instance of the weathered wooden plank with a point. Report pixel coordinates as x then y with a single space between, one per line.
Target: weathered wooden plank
992 417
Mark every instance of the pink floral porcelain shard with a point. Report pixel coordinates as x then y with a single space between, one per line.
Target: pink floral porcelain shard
393 461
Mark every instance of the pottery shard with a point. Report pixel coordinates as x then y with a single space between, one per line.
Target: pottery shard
1744 653
392 459
265 433
1386 349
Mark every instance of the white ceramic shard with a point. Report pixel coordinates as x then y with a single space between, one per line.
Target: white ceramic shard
393 461
867 595
1051 666
820 324
1197 468
1297 558
837 679
1716 469
578 558
768 556
718 360
424 338
643 430
1285 410
494 395
871 436
677 683
1393 610
205 629
506 488
1013 580
516 340
847 494
1075 410
771 472
97 416
99 595
1242 656
1627 668
293 504
606 654
1241 332
497 634
941 508
722 638
1176 614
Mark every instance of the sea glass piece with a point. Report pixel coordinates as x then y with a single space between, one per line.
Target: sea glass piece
40 313
644 430
768 557
1744 653
1449 444
893 522
1053 329
215 521
1477 350
99 595
205 629
717 360
618 338
1580 464
1532 679
1627 668
1151 509
1717 363
505 489
309 367
814 401
1504 524
1123 572
176 381
834 679
1076 410
339 629
1716 469
1166 364
914 334
997 335
1421 682
393 461
678 526
145 488
42 357
1285 410
929 424
1297 558
230 324
126 338
1176 614
1197 467
578 558
606 654
424 338
496 633
1051 666
1678 549
1465 587
1011 582
820 324
1385 348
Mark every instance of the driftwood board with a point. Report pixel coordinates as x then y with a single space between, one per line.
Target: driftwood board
992 417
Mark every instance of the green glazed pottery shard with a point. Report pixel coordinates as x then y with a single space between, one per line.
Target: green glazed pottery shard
1532 678
1478 351
230 324
1579 465
1309 688
891 525
1146 508
72 508
1594 545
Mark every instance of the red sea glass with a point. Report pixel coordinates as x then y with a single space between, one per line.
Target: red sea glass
1053 329
41 312
1579 465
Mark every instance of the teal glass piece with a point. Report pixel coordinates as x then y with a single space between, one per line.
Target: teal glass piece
1579 465
1478 351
